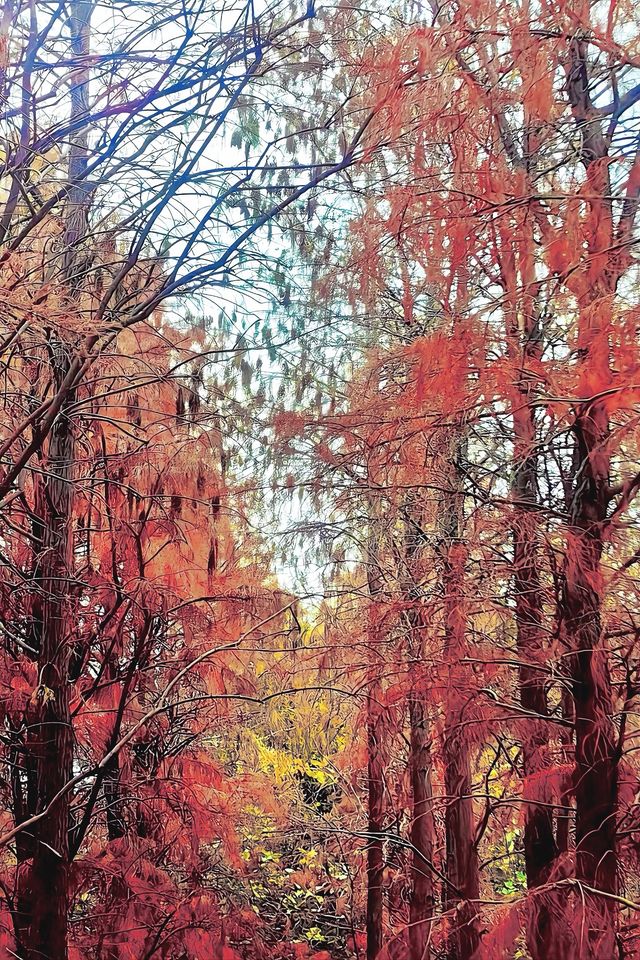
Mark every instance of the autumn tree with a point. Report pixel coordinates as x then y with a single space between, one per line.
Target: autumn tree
113 201
501 197
518 132
429 375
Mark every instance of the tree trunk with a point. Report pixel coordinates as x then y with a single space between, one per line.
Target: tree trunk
375 851
596 773
421 907
375 770
539 842
596 749
49 876
422 902
49 880
540 850
463 886
24 800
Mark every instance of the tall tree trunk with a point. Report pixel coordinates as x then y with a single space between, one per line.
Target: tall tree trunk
422 902
421 906
463 887
375 774
49 877
596 757
375 828
539 842
596 747
540 850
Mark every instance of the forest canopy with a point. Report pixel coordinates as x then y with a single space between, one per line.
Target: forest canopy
319 480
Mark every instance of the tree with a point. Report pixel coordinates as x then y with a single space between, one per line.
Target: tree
428 374
502 187
103 220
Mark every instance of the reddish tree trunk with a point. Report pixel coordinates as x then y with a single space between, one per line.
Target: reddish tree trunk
463 886
375 850
422 902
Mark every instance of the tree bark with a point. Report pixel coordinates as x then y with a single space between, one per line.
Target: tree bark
375 828
596 756
463 886
422 902
49 877
24 801
375 772
596 748
421 907
540 849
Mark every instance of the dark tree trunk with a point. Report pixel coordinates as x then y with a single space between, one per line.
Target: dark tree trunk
53 740
540 850
375 772
596 747
539 841
24 801
49 880
421 907
596 753
375 849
